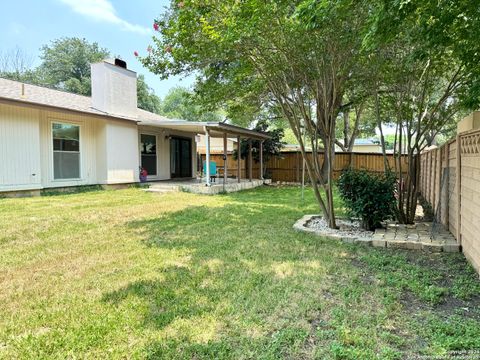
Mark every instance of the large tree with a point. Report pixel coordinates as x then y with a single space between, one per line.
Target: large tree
296 55
423 82
65 65
179 103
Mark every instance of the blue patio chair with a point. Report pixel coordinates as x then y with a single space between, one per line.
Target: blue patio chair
213 170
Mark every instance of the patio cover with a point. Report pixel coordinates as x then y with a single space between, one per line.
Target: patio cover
215 129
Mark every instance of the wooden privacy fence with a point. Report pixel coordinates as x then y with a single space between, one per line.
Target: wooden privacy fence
288 166
450 183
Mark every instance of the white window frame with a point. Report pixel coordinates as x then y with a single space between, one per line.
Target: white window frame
80 160
156 149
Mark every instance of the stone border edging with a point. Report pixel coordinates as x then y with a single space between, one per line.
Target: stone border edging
301 225
377 240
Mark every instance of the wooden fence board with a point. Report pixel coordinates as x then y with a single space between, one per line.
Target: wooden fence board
288 166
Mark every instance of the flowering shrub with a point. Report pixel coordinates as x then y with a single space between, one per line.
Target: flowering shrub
369 196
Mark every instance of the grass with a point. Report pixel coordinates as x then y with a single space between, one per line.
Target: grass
130 274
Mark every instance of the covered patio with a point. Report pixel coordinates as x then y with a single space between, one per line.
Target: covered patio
218 179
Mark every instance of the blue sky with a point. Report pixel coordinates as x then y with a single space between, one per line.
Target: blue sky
122 26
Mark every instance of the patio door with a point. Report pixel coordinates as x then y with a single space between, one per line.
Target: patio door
180 157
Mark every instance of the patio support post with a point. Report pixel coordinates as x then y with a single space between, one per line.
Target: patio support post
207 156
250 159
261 160
225 157
239 160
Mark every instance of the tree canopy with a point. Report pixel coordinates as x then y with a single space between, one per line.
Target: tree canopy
179 104
65 65
295 56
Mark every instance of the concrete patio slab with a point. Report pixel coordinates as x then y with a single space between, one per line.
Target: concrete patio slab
198 187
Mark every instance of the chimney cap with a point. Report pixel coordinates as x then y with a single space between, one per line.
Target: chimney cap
120 62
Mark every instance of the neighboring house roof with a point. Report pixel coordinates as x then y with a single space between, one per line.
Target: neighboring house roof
39 95
361 142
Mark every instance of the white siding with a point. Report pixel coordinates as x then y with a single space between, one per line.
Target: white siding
19 148
109 149
122 152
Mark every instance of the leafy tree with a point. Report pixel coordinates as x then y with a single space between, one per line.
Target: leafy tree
179 103
66 63
297 55
423 83
66 66
146 98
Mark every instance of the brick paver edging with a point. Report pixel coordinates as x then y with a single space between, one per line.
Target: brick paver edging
398 236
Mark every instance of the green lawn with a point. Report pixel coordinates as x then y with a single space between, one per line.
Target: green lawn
130 274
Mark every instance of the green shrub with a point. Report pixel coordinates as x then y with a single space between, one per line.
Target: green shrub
368 196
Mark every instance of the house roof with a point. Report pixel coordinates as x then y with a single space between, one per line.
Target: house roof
17 92
360 142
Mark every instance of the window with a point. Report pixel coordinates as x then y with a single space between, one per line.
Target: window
148 149
66 151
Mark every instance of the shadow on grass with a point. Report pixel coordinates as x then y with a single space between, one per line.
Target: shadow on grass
242 283
240 264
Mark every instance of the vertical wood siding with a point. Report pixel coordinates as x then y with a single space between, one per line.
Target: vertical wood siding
20 166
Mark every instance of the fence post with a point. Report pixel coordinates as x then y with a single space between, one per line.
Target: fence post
458 186
447 184
432 179
438 184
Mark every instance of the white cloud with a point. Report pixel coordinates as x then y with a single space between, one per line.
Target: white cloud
103 11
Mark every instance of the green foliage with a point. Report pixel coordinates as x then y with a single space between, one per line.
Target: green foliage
271 147
66 66
180 103
437 27
368 196
146 98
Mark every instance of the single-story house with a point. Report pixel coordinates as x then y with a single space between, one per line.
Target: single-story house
364 146
56 139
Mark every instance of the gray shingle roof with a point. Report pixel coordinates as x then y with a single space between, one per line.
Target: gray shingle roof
39 95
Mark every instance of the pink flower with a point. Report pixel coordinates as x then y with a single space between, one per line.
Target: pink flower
149 49
181 4
155 26
135 53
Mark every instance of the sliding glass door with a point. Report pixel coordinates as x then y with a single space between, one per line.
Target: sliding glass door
180 157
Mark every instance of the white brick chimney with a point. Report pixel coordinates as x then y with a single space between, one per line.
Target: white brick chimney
114 88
